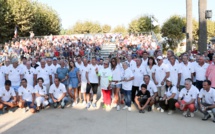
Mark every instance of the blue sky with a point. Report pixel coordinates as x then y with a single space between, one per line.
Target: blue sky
120 12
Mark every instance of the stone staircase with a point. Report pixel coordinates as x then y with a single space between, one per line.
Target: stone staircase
107 49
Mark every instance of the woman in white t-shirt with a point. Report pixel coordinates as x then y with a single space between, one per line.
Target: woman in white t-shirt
150 66
41 94
170 97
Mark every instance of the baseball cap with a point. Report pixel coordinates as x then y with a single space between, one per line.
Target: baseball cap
160 57
169 79
54 58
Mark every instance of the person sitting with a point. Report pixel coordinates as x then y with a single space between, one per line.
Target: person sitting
170 97
8 98
186 99
26 96
58 94
142 99
206 100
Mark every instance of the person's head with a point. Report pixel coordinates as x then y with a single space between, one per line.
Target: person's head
78 59
145 55
28 64
106 64
72 64
160 60
169 82
24 60
57 81
93 61
185 58
40 81
85 61
24 82
143 88
125 65
7 62
138 61
37 58
62 63
101 61
7 84
170 53
43 63
113 62
201 60
188 83
172 59
146 79
33 61
49 61
206 84
55 61
129 57
15 62
151 61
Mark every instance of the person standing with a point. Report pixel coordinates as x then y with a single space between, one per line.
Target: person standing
74 81
105 78
210 73
29 73
150 68
127 78
62 73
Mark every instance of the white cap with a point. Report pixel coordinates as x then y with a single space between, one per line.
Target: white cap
169 79
160 57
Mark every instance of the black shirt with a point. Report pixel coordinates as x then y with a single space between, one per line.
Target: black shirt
145 95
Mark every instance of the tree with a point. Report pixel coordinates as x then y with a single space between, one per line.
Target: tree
106 28
172 30
86 27
120 29
189 37
202 44
143 24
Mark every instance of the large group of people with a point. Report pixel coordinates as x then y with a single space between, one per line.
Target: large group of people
186 82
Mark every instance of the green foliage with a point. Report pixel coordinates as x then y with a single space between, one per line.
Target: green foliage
86 27
142 24
28 16
120 29
106 28
172 30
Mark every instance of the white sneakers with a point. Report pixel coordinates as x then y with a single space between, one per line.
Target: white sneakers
184 113
117 107
74 104
129 109
126 107
192 115
84 103
160 109
170 112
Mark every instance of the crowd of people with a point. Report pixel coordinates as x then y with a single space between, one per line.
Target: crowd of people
146 79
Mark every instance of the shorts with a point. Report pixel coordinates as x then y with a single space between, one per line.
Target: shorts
15 88
73 83
28 104
94 87
116 86
83 87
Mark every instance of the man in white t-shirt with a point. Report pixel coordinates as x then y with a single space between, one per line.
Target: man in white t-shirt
127 78
187 98
58 94
44 72
160 74
3 72
145 59
131 63
29 74
8 97
105 78
200 71
206 100
26 96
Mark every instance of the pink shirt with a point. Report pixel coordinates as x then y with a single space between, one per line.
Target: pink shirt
210 74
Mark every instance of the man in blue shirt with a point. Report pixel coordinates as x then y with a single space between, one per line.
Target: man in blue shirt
62 73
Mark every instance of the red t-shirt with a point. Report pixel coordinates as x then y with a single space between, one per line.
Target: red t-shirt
81 52
56 54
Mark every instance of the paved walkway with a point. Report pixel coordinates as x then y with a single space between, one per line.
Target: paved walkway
79 120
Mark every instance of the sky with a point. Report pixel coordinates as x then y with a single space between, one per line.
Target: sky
120 12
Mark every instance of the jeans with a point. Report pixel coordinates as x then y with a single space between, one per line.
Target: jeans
206 112
127 96
64 100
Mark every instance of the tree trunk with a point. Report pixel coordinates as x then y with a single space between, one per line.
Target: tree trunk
189 25
202 43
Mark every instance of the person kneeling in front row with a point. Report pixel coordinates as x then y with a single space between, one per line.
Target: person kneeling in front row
142 98
170 97
206 100
58 94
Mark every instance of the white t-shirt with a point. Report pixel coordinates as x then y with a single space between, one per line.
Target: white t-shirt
92 76
151 87
132 64
57 91
29 75
160 73
79 65
39 90
117 74
188 95
138 75
171 91
201 71
144 62
127 74
150 71
6 95
83 71
14 75
185 71
26 93
44 73
2 75
207 97
105 76
174 71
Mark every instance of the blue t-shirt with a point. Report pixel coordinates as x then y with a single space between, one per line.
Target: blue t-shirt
73 73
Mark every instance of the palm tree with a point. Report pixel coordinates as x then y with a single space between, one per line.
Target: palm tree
202 43
189 35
